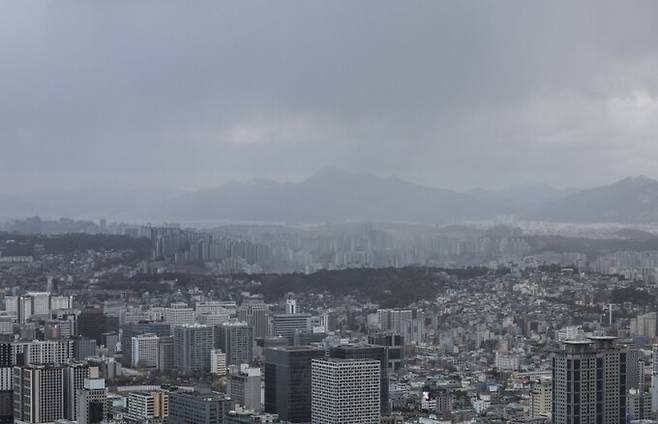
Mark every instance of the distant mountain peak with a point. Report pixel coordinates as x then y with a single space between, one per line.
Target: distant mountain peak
629 200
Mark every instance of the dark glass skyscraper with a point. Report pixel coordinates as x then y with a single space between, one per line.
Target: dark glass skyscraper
288 381
589 382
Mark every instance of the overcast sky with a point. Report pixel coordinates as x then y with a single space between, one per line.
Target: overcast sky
449 94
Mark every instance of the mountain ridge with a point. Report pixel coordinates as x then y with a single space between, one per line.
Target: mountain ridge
332 195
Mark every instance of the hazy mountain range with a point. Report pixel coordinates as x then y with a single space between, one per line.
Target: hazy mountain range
337 196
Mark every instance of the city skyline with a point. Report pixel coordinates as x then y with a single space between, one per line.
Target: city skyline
328 212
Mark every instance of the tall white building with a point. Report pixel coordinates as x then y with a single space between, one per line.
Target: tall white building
654 378
44 351
38 394
345 391
541 399
508 361
217 362
35 303
571 332
179 314
645 325
145 351
61 302
40 302
75 374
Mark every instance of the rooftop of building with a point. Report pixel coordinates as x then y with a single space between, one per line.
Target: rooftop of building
294 348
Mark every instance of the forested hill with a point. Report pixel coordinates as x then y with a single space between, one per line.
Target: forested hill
389 287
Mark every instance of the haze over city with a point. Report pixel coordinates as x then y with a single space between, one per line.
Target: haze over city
328 212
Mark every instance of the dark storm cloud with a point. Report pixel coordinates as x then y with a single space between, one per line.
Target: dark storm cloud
451 94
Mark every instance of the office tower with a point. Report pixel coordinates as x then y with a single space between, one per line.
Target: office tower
179 314
394 319
5 378
410 324
11 305
654 378
634 369
55 329
6 387
288 381
6 325
68 319
92 323
148 405
110 340
75 374
257 316
198 407
638 405
7 406
345 391
286 325
24 309
244 386
541 399
507 361
6 359
394 344
43 352
644 325
192 346
92 401
35 303
38 393
165 353
132 315
61 302
589 382
84 347
131 330
364 351
236 340
145 352
217 362
40 303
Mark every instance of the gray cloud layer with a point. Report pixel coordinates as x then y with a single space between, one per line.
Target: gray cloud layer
451 94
